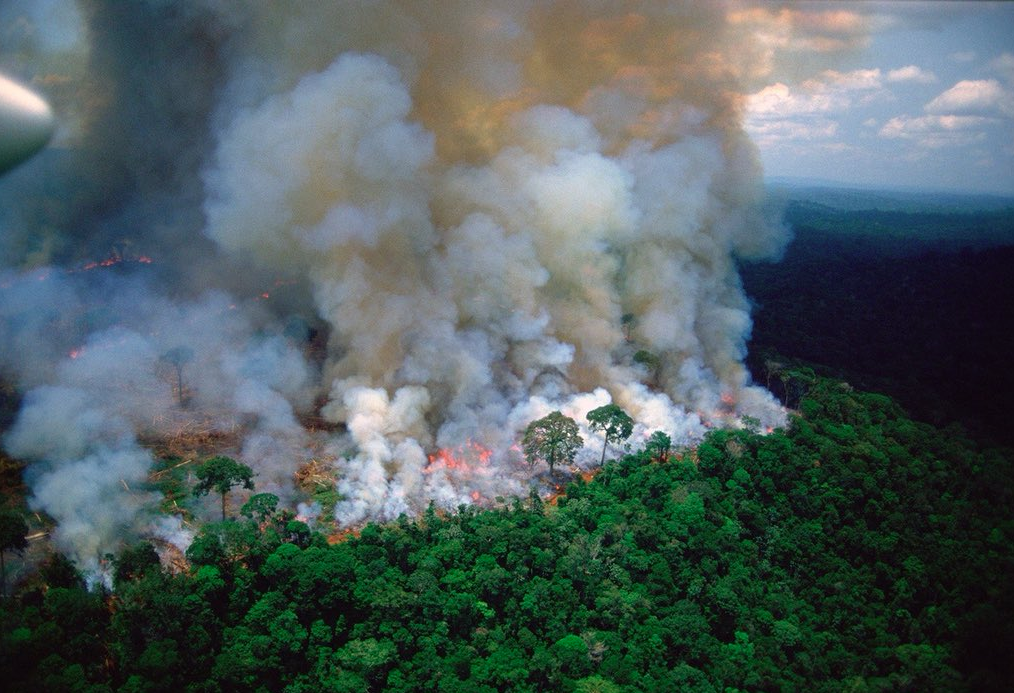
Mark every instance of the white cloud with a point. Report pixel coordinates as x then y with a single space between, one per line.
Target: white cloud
773 132
780 113
856 80
934 131
831 91
779 101
962 56
911 73
973 96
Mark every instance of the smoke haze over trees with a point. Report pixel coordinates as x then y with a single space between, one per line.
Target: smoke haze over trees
459 201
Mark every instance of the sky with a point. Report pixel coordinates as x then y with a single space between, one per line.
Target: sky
897 95
877 94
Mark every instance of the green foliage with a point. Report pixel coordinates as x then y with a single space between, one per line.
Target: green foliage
554 438
649 361
134 562
327 496
260 507
658 446
614 423
854 550
169 478
13 531
220 474
58 571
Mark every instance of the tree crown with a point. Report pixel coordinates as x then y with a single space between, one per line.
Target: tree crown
220 474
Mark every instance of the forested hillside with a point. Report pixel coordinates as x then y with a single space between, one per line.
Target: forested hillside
855 550
916 304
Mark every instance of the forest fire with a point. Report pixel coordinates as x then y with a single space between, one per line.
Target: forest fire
728 402
114 259
468 457
440 227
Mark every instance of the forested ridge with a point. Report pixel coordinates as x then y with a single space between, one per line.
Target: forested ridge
854 550
889 302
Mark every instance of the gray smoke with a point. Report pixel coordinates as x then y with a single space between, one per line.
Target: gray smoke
487 208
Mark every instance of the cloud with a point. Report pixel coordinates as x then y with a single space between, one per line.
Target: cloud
856 80
779 100
973 96
805 30
935 131
962 56
779 112
911 73
769 133
789 37
833 90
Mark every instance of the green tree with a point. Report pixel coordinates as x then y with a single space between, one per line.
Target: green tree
613 422
260 507
220 474
553 438
658 446
12 538
133 562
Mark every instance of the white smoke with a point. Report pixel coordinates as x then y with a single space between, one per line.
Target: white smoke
487 209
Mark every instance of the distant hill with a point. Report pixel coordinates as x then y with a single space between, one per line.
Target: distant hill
890 223
785 190
917 304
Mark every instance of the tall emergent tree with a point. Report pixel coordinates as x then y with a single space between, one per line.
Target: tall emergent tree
553 438
13 531
220 474
613 422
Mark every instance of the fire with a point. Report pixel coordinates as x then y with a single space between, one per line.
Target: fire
468 462
115 258
466 457
277 284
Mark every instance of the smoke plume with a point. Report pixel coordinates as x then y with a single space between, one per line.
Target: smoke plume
479 211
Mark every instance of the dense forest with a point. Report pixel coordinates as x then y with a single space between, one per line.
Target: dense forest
854 550
867 546
914 303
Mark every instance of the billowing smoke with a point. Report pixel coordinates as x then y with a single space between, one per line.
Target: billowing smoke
481 212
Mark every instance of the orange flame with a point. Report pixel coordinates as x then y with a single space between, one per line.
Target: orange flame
467 461
115 258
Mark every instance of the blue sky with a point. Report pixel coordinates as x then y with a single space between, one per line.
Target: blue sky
908 95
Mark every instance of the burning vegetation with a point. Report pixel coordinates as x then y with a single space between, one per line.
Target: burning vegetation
381 252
